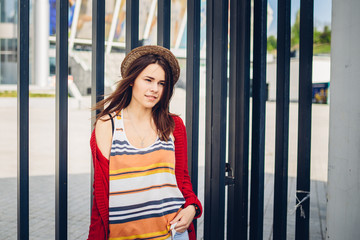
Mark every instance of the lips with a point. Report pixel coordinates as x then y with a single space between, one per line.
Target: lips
150 97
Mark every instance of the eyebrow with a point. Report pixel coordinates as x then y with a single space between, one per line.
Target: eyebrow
152 78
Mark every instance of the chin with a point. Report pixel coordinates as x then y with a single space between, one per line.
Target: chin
149 105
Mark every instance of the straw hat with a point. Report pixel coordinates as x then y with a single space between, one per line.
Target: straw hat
151 49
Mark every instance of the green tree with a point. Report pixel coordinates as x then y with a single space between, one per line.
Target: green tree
271 43
319 37
316 36
325 36
295 30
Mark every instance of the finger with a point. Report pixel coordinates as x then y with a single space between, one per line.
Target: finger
176 219
181 225
181 230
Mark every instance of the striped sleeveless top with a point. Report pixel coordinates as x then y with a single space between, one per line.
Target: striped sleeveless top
143 193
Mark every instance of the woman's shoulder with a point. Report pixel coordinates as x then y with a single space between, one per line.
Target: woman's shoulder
103 123
103 134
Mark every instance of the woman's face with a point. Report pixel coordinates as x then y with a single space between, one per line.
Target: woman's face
148 86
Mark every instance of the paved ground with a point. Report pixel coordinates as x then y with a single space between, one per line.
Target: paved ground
42 167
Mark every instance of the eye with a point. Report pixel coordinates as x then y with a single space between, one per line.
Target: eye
147 79
162 83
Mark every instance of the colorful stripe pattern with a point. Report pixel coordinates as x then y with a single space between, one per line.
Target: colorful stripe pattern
143 193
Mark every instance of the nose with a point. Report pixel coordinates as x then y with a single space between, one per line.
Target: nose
154 87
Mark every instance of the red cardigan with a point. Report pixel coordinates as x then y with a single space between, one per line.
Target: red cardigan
99 226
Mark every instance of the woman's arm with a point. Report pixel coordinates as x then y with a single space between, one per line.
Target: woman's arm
181 168
185 217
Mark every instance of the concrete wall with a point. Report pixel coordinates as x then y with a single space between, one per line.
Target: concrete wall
343 211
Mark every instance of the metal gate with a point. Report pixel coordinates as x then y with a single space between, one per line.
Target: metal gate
221 54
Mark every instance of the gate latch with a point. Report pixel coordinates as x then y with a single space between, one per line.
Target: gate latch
229 179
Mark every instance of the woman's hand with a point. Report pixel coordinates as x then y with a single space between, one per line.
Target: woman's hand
184 218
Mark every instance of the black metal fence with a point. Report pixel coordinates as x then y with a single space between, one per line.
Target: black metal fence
219 172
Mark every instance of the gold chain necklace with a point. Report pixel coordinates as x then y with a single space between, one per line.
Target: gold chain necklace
132 124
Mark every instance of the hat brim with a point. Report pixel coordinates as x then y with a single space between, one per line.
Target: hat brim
152 49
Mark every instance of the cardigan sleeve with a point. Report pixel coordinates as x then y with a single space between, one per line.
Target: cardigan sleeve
98 229
181 167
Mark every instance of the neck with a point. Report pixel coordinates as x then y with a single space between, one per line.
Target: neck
138 113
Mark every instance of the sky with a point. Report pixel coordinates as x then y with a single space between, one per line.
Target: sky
322 14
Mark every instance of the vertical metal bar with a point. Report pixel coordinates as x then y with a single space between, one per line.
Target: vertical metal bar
216 94
164 20
282 120
98 62
23 121
132 24
258 120
239 118
98 55
192 90
208 118
304 129
61 119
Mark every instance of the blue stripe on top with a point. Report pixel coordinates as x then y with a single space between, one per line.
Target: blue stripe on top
123 147
145 204
153 215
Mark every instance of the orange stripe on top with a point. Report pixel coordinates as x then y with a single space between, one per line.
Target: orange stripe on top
142 226
151 236
141 174
133 169
130 161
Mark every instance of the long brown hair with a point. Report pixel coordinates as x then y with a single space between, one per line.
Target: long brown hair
121 97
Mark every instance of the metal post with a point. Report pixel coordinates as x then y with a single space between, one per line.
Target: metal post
164 21
282 120
258 120
132 25
61 119
216 94
98 60
304 134
192 90
239 82
23 121
98 54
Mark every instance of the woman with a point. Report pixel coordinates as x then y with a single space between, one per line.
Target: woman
142 188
